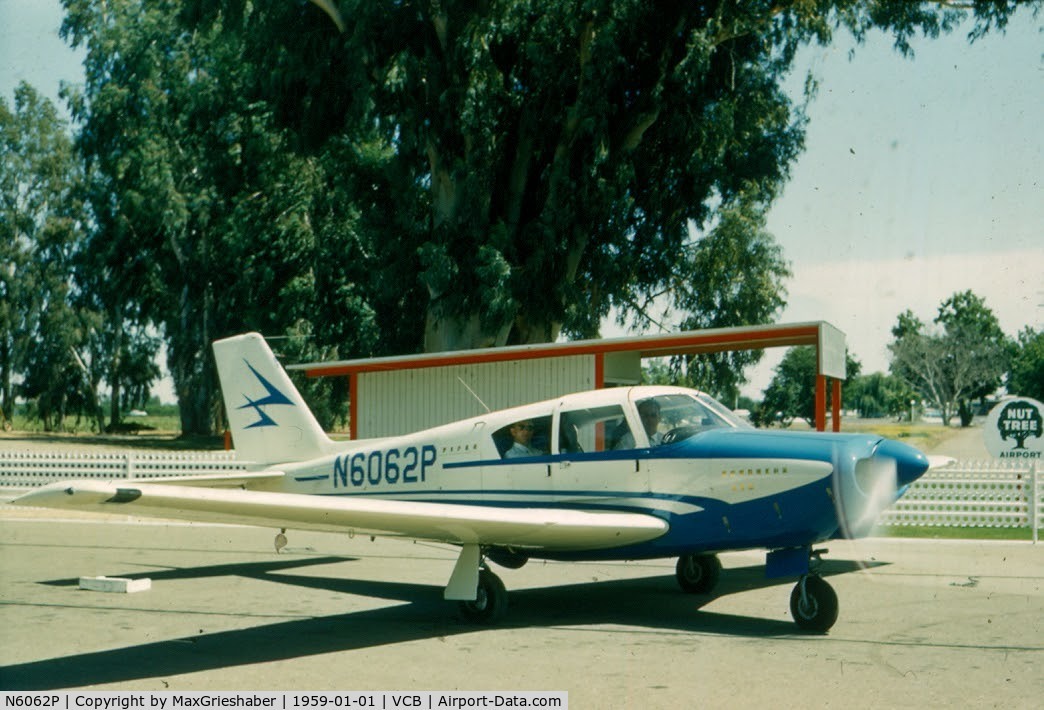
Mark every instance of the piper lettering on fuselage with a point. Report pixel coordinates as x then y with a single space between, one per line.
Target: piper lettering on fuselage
394 466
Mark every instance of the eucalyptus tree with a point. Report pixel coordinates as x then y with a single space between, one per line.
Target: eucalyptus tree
545 161
202 215
442 174
43 334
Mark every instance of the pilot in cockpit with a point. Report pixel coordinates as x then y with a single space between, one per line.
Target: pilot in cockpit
522 438
649 413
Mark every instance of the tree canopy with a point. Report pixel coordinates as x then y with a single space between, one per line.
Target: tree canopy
1026 374
54 337
961 359
879 395
442 175
40 227
792 391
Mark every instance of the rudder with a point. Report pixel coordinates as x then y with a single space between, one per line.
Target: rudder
270 422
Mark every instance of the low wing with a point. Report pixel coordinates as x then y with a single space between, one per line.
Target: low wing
527 528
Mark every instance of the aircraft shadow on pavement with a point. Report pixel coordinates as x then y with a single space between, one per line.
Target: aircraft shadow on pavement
252 570
653 603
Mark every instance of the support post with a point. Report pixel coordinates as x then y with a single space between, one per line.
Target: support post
835 405
1034 501
820 402
353 405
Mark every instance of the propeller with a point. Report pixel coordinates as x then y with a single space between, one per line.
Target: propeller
868 483
875 489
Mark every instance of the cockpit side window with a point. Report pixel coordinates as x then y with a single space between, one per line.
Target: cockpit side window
649 415
591 429
524 438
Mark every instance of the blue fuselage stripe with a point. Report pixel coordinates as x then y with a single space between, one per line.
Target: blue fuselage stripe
790 518
713 444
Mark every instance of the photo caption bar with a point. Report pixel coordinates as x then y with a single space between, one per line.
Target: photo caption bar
285 700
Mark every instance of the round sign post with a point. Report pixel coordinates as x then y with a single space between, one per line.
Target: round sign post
1014 431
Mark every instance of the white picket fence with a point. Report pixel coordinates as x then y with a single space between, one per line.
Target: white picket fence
29 469
974 494
964 494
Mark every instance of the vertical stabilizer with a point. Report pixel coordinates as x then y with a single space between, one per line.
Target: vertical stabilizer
269 420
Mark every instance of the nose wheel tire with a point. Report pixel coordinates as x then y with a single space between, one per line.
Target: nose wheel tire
813 604
490 603
698 574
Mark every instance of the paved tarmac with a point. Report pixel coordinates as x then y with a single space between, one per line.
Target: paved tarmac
922 624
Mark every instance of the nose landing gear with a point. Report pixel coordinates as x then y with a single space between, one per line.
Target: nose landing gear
813 604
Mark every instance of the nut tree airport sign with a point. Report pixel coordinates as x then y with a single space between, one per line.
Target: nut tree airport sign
1014 430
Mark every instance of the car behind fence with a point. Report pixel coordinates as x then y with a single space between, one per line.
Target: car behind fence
964 494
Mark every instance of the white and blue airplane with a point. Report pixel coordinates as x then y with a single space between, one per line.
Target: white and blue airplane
614 474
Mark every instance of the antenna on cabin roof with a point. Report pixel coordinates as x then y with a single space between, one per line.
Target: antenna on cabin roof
477 398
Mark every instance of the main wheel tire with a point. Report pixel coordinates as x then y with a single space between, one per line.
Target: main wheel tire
698 574
507 558
816 609
490 603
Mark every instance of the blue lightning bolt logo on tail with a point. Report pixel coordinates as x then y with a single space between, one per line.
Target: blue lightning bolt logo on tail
274 396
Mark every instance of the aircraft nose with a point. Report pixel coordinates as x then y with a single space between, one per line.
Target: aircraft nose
910 463
869 484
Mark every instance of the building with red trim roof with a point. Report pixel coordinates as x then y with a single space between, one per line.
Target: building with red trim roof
404 393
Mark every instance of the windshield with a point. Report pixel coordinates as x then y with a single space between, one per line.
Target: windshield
668 418
723 412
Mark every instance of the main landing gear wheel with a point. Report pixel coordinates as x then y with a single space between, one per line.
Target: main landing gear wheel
506 557
490 604
698 574
813 604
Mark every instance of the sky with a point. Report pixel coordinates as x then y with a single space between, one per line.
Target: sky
920 178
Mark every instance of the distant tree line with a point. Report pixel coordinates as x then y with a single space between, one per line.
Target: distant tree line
961 358
377 178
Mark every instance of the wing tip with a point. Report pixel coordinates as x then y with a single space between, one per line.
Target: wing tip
66 494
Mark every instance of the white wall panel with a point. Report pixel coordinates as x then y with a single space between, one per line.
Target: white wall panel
402 401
